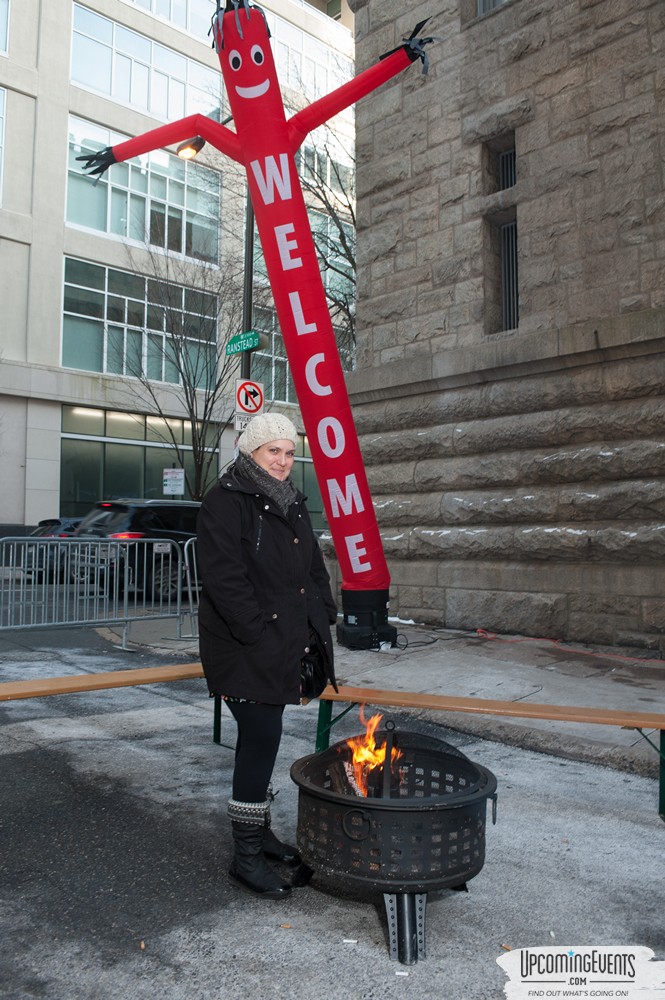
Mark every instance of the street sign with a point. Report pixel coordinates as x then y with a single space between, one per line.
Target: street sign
249 396
174 482
243 342
241 421
249 401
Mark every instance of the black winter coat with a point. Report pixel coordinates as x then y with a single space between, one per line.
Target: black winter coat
263 579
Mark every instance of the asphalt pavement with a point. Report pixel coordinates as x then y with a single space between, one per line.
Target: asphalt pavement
114 842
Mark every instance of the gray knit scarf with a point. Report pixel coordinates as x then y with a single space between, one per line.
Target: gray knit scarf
283 492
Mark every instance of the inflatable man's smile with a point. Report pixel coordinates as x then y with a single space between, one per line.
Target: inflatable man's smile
250 92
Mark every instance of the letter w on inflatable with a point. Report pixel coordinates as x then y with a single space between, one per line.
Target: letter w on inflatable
265 143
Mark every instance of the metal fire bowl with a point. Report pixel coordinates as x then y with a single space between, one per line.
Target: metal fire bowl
429 834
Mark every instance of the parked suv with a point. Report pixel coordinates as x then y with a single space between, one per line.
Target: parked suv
56 527
153 568
43 563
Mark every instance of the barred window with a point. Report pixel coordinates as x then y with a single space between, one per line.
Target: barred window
484 6
470 10
501 259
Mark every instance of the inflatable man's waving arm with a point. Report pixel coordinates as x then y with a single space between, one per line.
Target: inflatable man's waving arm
217 135
389 65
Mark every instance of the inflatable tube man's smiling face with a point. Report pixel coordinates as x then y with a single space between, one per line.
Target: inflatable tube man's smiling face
242 41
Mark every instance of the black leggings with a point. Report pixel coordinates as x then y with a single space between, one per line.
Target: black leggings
259 736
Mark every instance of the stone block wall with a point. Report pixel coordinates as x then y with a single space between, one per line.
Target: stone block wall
519 475
531 504
579 87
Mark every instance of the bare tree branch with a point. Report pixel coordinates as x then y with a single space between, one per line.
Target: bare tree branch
193 310
329 189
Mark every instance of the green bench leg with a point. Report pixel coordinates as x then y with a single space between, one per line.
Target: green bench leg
323 726
217 723
661 794
660 750
326 722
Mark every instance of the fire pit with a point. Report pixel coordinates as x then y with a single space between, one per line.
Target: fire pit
414 824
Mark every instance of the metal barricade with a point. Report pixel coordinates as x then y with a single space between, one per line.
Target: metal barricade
71 581
193 584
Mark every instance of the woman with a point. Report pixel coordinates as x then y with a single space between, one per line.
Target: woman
264 584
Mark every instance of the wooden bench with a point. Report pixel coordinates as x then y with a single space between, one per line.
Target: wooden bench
625 719
72 683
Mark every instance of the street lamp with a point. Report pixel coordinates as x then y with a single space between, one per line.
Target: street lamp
187 150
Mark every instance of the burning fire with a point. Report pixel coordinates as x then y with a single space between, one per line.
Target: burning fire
366 755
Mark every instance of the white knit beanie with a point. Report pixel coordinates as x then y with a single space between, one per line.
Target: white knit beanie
264 428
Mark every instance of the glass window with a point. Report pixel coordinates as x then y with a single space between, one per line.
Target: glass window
156 460
87 205
164 429
123 471
79 272
125 324
125 425
4 25
133 69
82 344
271 366
190 15
107 469
84 301
93 25
115 350
92 62
83 420
304 477
180 212
331 236
305 63
199 18
80 475
3 100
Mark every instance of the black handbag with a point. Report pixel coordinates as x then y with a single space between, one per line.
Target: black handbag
313 669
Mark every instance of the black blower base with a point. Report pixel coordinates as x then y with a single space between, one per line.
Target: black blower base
365 624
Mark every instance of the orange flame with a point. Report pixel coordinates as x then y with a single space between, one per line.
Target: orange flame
366 755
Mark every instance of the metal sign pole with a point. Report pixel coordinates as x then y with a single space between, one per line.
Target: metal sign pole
248 284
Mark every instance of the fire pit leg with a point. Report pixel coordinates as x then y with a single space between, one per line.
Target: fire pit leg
406 925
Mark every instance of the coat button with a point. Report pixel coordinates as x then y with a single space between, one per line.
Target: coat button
296 541
267 507
275 615
302 590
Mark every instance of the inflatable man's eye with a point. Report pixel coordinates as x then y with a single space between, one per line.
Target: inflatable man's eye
235 59
257 54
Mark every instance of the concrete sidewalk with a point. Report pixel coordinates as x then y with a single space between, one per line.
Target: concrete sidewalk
507 668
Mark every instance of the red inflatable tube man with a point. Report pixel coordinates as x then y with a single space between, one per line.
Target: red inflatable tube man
265 143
